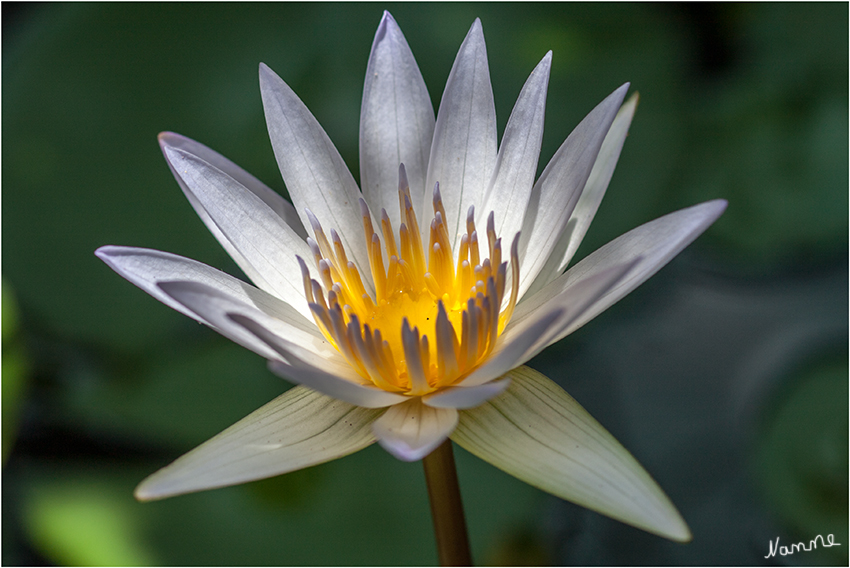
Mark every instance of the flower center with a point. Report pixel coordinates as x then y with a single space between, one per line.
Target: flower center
432 319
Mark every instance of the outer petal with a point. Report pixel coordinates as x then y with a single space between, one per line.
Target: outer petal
298 429
600 176
337 380
396 123
411 430
516 165
333 385
463 153
147 268
540 434
312 169
466 397
556 193
261 237
212 306
573 302
650 246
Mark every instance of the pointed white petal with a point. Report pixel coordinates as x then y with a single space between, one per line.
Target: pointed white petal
516 165
313 171
652 245
257 232
334 378
396 123
600 176
573 301
463 153
298 429
466 397
146 268
510 347
411 430
212 306
541 435
572 168
278 204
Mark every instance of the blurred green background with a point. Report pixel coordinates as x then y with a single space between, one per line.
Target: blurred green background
726 374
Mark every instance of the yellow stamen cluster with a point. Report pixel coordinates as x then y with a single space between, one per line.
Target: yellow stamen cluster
417 296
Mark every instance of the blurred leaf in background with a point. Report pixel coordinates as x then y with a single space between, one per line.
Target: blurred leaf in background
742 101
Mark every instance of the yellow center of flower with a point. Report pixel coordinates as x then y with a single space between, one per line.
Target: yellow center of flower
432 319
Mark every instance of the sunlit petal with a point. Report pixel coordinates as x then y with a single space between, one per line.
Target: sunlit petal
538 433
146 268
212 306
463 153
256 231
412 430
516 165
556 193
396 123
298 429
313 171
273 199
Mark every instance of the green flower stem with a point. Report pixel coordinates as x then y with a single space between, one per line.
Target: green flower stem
446 507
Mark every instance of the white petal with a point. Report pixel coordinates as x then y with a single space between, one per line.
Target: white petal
333 385
466 397
600 176
273 199
335 378
541 435
463 153
298 429
146 268
313 171
573 301
652 245
212 306
412 430
556 193
396 123
510 347
257 232
516 165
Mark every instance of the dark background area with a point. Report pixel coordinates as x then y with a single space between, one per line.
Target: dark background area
726 374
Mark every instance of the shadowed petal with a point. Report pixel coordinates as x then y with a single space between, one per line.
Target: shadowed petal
573 301
466 397
147 268
510 347
556 194
313 171
339 380
396 123
412 430
463 153
652 245
298 429
541 435
212 306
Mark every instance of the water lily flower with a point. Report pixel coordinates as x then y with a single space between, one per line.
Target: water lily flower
406 308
